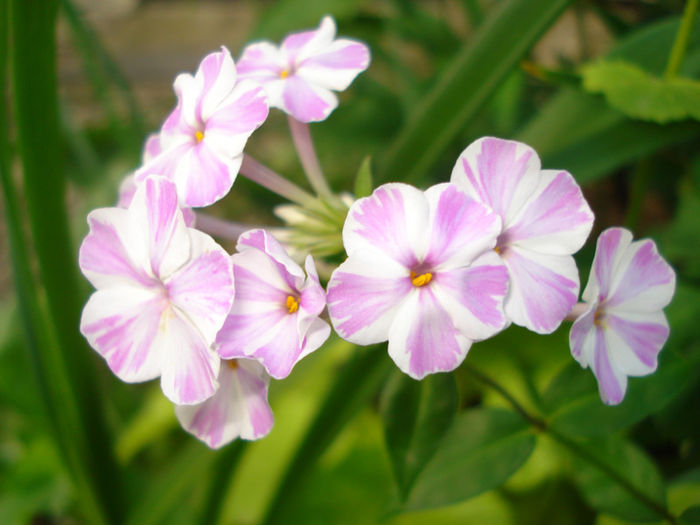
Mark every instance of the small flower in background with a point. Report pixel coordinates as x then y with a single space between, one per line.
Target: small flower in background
624 328
421 273
545 220
202 140
274 318
300 76
239 408
163 293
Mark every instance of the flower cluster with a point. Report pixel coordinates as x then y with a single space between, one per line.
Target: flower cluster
431 272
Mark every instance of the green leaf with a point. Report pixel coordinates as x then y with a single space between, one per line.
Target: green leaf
473 75
690 516
482 449
628 486
576 408
363 180
416 415
640 95
679 241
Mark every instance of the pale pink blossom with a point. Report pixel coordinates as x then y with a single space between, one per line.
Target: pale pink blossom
421 273
163 292
275 315
238 409
202 140
623 329
545 220
301 75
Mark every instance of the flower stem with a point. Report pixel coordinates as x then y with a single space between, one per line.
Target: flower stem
577 311
220 227
543 426
682 37
301 135
253 170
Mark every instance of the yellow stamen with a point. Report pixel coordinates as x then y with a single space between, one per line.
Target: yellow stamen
497 250
598 318
422 279
199 136
292 304
284 73
232 364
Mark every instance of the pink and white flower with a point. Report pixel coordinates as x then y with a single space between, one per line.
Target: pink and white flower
274 318
202 140
238 409
421 273
163 293
300 76
624 328
545 220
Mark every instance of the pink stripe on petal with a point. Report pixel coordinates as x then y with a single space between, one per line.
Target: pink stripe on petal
242 112
611 384
215 78
581 331
282 352
644 339
422 338
460 228
306 102
203 288
203 176
260 61
543 289
245 331
264 241
337 66
610 246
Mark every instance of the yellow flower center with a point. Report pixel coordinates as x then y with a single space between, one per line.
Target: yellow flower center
598 318
292 304
422 279
199 135
284 73
232 364
497 250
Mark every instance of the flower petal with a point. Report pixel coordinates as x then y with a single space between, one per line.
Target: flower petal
460 228
312 300
336 66
364 294
611 244
182 121
238 409
190 367
473 296
263 240
156 211
501 174
422 338
203 288
393 220
121 324
635 340
113 254
612 383
299 46
261 61
556 218
543 288
215 78
307 102
581 337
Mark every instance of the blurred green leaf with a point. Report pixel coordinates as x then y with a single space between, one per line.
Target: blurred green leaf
578 410
690 516
363 180
416 416
630 485
473 75
680 240
640 95
482 449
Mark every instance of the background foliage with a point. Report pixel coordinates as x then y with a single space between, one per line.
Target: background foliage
517 434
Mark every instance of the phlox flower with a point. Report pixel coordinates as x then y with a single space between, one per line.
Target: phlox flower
274 318
545 220
239 408
163 292
300 76
623 329
202 140
421 273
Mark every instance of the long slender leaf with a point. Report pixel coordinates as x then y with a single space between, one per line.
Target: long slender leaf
67 373
354 386
468 81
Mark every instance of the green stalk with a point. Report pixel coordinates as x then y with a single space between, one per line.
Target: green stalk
682 37
571 445
64 363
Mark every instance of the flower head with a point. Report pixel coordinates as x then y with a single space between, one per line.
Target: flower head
239 407
624 328
545 219
163 292
202 140
421 273
274 318
300 76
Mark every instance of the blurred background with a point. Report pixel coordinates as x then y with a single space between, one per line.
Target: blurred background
443 73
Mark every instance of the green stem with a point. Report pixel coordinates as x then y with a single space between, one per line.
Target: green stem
682 37
542 426
640 183
64 365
